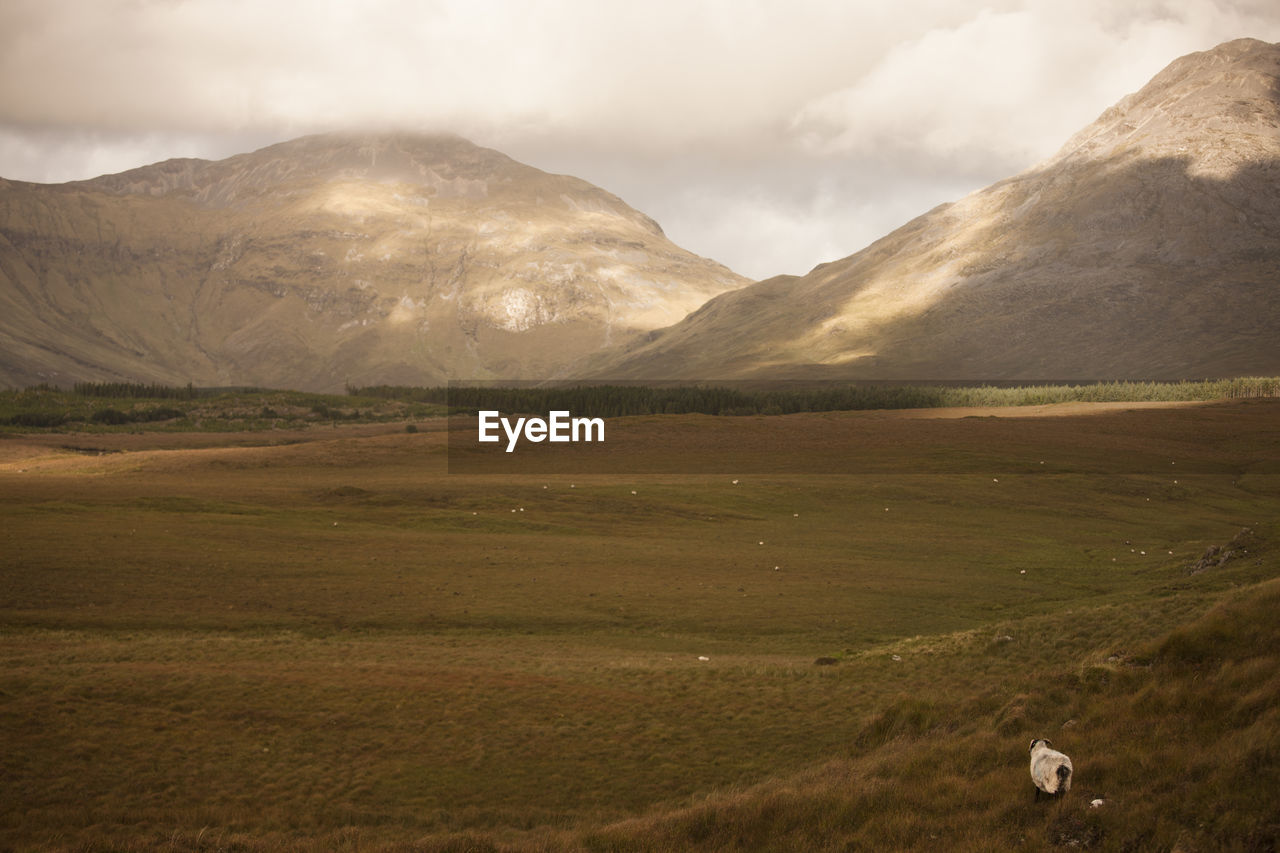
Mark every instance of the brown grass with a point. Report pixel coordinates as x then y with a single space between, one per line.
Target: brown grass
327 642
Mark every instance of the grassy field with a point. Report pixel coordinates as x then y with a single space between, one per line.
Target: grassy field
318 639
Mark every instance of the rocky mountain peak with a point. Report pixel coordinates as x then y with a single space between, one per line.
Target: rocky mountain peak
1191 109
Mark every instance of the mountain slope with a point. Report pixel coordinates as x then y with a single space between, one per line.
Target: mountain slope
326 260
1148 247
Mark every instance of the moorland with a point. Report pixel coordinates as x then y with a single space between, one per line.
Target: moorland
309 634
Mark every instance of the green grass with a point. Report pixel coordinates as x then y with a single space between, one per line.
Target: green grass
111 409
332 644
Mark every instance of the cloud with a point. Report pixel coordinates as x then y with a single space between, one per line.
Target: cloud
659 74
1011 85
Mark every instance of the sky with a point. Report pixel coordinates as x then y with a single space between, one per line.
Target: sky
770 135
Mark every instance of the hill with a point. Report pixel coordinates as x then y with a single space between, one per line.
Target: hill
326 260
1145 248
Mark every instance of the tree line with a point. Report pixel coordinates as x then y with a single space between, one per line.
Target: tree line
613 400
152 390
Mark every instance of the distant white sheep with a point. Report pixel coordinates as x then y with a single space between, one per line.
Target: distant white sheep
1050 769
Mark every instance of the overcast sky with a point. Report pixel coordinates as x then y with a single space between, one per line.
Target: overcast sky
771 135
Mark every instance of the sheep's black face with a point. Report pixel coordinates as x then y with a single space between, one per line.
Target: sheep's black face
1044 741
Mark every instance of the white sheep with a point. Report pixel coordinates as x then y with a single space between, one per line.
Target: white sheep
1050 769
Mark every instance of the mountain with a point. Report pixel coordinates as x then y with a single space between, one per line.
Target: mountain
1147 247
329 260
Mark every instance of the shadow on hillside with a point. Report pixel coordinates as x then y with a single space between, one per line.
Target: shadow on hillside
1143 269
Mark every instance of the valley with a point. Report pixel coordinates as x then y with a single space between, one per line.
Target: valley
328 641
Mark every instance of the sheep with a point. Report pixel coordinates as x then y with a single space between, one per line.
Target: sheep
1050 769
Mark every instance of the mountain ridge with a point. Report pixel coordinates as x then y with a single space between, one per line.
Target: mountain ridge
1145 248
329 259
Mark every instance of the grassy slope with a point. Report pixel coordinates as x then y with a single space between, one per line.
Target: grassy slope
332 643
1178 741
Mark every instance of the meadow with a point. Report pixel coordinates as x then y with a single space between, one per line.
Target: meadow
313 636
